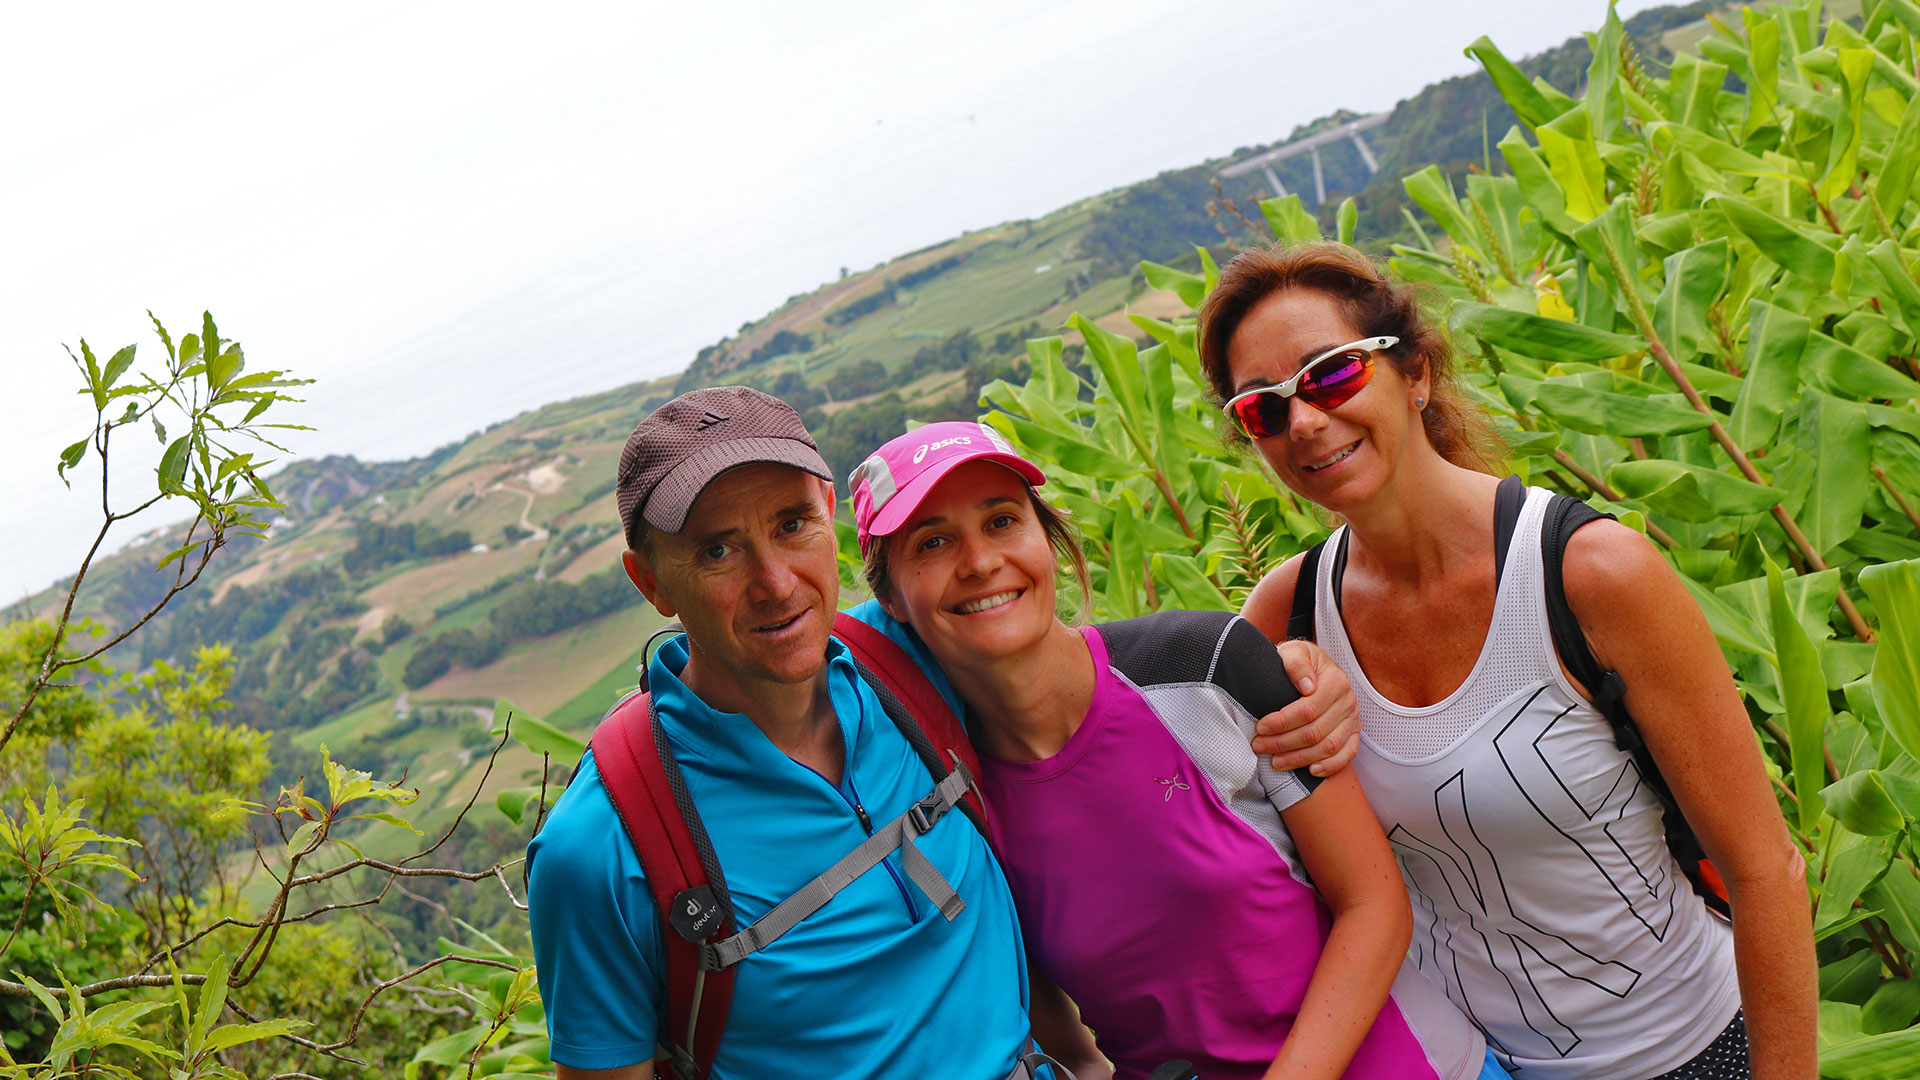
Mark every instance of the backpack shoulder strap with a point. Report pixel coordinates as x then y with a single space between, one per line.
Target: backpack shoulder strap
1565 515
644 783
1305 588
915 706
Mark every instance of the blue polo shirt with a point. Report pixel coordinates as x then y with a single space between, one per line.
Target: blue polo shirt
874 984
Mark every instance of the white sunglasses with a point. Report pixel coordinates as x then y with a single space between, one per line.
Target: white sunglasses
1262 411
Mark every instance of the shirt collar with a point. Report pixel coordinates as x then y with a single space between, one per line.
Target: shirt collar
696 727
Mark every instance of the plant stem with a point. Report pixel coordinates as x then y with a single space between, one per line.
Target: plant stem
1788 792
1825 211
1601 489
22 920
493 1029
1899 499
1885 949
1773 728
1880 216
1658 348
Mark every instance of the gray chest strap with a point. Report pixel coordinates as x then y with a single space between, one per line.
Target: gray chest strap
896 834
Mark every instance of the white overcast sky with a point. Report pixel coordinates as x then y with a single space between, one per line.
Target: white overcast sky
448 214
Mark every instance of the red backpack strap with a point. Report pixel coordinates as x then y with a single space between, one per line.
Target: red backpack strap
671 842
899 673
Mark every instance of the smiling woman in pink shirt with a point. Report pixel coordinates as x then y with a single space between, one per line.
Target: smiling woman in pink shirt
1155 859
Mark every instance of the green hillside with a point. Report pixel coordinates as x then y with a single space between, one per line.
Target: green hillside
394 602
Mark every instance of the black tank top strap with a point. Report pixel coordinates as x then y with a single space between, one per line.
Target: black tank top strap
1300 618
1508 499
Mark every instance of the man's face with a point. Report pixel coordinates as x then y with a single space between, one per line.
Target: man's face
753 578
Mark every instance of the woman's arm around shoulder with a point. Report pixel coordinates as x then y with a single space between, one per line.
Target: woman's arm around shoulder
1350 862
1641 622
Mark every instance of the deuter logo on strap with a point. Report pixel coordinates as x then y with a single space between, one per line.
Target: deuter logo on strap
696 913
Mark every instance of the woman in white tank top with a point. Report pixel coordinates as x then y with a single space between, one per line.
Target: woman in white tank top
1545 899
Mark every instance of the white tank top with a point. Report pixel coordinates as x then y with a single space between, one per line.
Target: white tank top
1545 899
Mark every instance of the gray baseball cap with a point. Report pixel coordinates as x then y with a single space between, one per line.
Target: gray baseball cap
680 447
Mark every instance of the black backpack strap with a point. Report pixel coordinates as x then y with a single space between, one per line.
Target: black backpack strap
1305 588
1564 516
1508 499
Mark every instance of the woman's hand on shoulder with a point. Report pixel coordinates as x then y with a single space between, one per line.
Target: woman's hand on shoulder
1321 731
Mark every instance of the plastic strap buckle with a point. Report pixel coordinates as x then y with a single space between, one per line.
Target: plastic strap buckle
1610 693
926 812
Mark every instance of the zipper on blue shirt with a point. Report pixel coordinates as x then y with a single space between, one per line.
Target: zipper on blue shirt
866 824
860 811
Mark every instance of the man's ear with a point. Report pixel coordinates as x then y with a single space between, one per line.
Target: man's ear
829 497
640 571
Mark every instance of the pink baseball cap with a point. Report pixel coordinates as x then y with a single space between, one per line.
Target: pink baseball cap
891 484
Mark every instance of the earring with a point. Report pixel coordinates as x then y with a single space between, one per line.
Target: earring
1419 403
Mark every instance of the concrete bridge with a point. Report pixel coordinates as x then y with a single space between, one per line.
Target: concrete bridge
1311 145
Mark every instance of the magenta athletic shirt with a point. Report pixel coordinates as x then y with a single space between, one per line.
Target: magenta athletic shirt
1155 881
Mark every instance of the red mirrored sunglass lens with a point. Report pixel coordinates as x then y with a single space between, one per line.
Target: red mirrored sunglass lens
1261 415
1345 376
1264 415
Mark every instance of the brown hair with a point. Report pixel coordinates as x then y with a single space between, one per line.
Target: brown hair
1053 521
1372 304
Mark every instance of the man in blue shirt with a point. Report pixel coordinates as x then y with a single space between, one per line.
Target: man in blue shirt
791 762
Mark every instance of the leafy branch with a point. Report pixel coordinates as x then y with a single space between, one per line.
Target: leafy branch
352 796
1641 319
200 386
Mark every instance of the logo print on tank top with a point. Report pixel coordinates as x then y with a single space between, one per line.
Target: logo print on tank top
1171 784
1458 864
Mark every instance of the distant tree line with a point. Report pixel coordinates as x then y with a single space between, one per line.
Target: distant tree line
890 290
849 434
532 609
322 674
913 279
952 354
290 668
246 615
445 651
780 344
377 544
862 307
538 608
